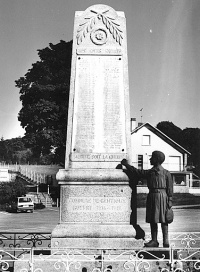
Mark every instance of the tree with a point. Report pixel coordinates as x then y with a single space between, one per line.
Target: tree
44 92
190 140
3 150
9 149
169 129
9 191
22 156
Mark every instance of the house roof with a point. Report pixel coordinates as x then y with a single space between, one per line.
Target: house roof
163 137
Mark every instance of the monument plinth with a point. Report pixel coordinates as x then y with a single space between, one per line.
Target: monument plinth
95 196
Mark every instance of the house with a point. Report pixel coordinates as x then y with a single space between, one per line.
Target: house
145 138
4 175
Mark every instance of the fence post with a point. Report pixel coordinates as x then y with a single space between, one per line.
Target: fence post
37 181
31 259
14 242
171 259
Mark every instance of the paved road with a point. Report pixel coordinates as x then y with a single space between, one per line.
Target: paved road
40 220
185 220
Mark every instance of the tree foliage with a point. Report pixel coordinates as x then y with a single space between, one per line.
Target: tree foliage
44 92
14 150
169 129
189 138
11 190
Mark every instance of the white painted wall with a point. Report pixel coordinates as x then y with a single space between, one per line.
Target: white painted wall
4 175
177 189
156 143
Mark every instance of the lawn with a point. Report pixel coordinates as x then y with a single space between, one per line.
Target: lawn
178 199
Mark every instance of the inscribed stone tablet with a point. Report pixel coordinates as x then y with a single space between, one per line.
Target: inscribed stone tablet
99 124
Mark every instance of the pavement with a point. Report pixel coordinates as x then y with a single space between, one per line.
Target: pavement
186 219
195 206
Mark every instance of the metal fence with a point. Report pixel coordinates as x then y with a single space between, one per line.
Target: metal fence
27 252
101 260
24 240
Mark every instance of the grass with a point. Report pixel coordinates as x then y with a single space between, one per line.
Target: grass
178 199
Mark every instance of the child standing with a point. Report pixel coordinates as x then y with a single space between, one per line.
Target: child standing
160 187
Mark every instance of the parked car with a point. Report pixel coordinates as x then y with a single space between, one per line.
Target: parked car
24 204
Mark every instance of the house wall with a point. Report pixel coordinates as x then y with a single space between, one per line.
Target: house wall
177 189
156 143
4 175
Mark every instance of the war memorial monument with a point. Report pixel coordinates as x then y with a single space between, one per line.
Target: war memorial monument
97 230
95 206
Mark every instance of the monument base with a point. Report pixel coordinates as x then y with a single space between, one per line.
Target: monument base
94 236
96 243
66 230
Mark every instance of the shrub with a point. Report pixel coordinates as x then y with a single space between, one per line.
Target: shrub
11 190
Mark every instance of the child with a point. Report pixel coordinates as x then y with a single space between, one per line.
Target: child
160 187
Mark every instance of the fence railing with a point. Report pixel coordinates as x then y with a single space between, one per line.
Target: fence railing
31 252
195 183
22 240
32 175
101 260
36 174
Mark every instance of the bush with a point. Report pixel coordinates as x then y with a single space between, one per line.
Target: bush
11 190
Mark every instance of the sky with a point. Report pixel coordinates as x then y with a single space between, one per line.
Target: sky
163 39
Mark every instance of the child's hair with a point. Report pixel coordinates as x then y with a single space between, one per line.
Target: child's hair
160 156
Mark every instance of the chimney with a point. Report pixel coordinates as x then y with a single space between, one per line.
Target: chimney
133 124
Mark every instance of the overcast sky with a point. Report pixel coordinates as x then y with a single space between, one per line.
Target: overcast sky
163 54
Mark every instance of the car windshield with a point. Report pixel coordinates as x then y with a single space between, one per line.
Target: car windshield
24 199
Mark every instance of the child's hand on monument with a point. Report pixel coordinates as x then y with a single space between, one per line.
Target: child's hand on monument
124 162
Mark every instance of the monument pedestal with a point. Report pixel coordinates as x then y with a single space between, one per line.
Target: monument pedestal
95 210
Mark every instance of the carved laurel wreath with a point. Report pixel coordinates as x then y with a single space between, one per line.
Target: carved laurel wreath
87 26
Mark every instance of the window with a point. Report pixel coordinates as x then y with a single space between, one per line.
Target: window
140 162
146 140
174 163
179 179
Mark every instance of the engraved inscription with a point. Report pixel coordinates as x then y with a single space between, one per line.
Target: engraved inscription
99 120
97 157
99 51
98 204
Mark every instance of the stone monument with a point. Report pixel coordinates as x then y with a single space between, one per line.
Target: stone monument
95 206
